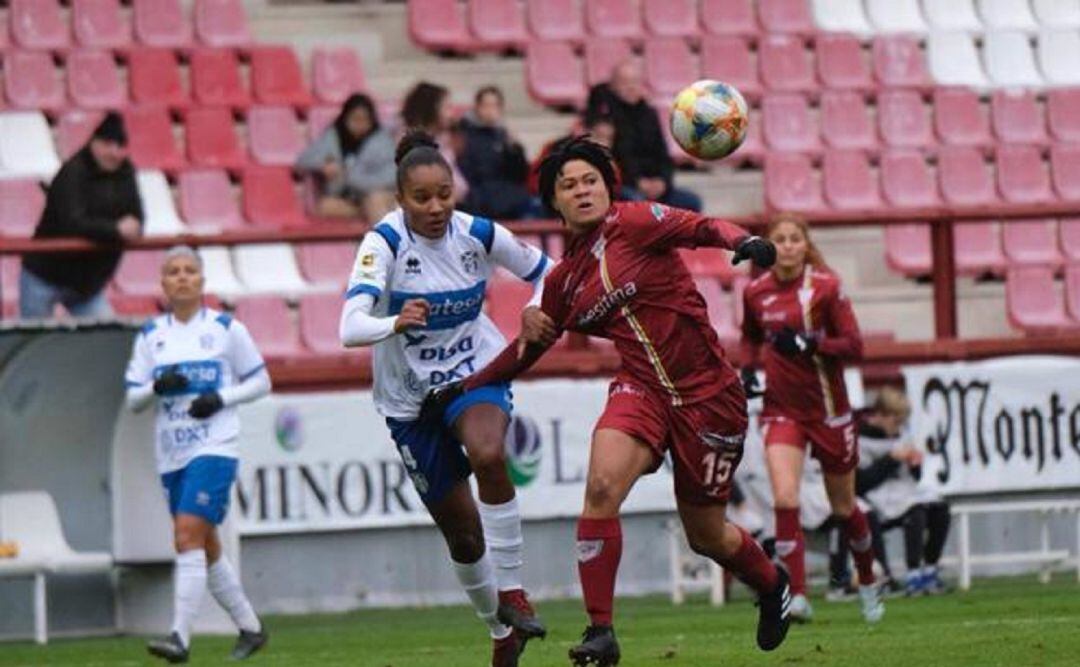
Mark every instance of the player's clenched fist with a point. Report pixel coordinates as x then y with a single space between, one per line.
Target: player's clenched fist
413 315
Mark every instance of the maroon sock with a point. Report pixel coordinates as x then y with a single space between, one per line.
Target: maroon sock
599 548
858 534
751 565
791 547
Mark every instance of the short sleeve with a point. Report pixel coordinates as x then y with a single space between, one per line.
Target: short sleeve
243 355
372 266
140 369
524 260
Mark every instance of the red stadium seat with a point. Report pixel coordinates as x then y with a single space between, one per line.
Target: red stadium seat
154 78
276 77
38 24
849 183
94 81
786 16
336 73
712 263
30 81
907 249
1032 300
73 130
601 57
721 311
1065 170
1069 236
787 124
320 118
791 183
506 298
215 79
785 64
554 74
752 150
439 25
556 20
222 23
670 18
729 17
1031 242
903 120
1063 114
964 177
270 198
211 139
899 62
841 63
1021 175
320 316
10 268
498 24
99 24
139 273
844 121
161 24
21 204
669 65
613 18
1017 118
271 325
274 136
960 119
151 144
728 59
1072 292
977 248
906 180
207 201
326 263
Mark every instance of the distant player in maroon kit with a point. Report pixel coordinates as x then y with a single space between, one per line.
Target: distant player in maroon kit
799 323
622 279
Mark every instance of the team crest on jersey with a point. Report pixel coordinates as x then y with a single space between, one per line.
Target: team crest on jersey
470 262
598 247
206 341
412 266
659 211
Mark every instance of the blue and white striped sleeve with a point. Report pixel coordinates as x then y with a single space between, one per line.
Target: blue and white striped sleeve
372 266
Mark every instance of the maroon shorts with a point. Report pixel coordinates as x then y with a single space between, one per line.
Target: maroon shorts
834 443
705 438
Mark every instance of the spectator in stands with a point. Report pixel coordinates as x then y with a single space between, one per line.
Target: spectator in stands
493 162
640 148
427 108
598 126
93 196
352 163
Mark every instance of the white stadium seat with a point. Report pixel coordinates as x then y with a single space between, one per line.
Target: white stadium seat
896 16
1009 60
159 209
26 146
218 270
1007 15
954 60
1059 53
841 16
270 268
1056 14
951 15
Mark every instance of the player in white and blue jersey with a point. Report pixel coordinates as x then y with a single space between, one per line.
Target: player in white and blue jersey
198 364
417 294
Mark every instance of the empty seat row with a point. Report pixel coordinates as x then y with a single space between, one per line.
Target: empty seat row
1036 303
913 16
1007 59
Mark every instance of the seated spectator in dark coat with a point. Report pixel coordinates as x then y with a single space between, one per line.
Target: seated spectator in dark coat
599 128
640 148
93 196
492 162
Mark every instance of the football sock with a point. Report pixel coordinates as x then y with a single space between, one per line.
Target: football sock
189 587
750 564
225 586
858 534
502 534
791 547
599 549
478 580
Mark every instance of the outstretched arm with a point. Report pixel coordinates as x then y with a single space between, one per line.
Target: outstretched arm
661 228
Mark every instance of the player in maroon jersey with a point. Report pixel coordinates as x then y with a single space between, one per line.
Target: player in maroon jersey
622 278
800 325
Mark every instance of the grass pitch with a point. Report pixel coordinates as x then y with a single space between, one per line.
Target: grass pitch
1001 622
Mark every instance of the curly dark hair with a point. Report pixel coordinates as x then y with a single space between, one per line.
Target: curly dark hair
417 148
421 106
575 148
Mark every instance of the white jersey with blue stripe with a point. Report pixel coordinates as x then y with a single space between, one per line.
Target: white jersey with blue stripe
213 351
395 265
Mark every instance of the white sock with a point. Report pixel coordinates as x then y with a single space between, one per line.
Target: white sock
190 585
225 586
502 533
478 580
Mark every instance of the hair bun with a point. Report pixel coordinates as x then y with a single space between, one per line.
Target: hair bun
412 140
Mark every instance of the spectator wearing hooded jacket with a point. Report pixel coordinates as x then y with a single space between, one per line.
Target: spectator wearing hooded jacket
492 161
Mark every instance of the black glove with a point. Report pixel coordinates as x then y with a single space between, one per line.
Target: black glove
750 384
789 342
438 400
170 382
761 251
206 405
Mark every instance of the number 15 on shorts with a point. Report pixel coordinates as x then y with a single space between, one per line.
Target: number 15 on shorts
718 467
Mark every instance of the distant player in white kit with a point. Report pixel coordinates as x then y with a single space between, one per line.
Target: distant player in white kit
417 294
199 364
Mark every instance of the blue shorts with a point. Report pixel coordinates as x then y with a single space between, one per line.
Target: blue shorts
434 458
201 488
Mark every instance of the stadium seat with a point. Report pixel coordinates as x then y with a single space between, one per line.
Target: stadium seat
271 325
907 249
506 298
964 177
785 16
73 130
10 268
1009 59
99 24
1072 292
1065 171
21 203
785 64
26 146
1058 51
207 202
1057 14
899 62
791 183
30 81
222 23
729 17
721 311
848 181
161 24
954 60
276 77
326 264
601 57
896 16
1031 242
336 74
556 20
952 15
320 316
613 18
439 25
94 81
216 81
840 16
960 118
1032 300
270 198
1017 117
274 136
844 121
154 78
906 181
669 65
712 263
841 63
151 143
1069 236
319 118
211 139
1021 175
139 273
1007 15
728 58
670 18
554 74
269 268
787 124
903 120
498 24
159 210
38 24
219 273
977 248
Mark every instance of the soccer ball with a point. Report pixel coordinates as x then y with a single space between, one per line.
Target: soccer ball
709 119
